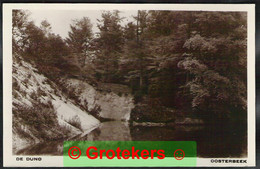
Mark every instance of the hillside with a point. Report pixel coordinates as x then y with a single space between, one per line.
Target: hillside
40 110
109 101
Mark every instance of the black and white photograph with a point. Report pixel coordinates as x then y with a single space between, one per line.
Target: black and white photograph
130 75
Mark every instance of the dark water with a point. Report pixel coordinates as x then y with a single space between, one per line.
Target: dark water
218 141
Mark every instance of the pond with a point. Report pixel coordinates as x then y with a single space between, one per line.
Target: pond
212 142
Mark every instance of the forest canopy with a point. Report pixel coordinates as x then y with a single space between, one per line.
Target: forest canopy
194 62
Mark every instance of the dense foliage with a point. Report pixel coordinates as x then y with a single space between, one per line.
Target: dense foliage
194 62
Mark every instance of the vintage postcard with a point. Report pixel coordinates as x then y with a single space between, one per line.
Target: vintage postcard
129 85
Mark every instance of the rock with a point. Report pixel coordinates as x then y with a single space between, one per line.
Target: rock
115 103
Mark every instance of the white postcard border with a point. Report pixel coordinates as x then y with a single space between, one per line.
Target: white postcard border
10 160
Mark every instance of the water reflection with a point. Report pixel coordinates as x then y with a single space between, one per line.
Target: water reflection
211 142
221 141
48 148
110 131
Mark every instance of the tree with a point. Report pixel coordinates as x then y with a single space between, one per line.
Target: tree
193 61
130 31
136 60
46 27
19 26
47 50
216 64
80 37
109 44
35 42
161 23
166 31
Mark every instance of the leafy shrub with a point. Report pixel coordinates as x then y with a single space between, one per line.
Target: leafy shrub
15 94
15 84
41 120
26 81
95 111
34 95
152 110
41 92
75 121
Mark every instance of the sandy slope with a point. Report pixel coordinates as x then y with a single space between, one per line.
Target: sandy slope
29 82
